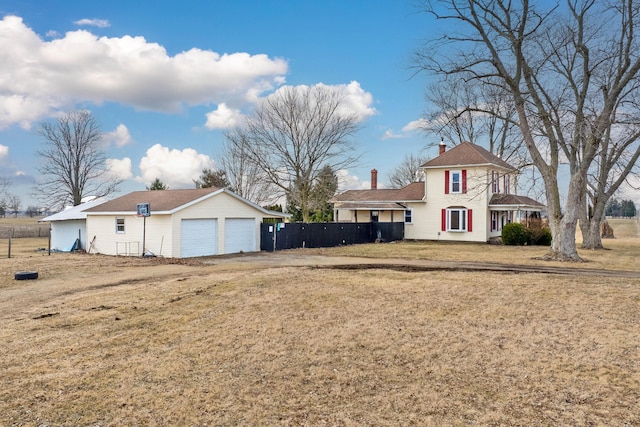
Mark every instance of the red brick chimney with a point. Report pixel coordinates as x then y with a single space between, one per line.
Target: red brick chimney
374 179
442 147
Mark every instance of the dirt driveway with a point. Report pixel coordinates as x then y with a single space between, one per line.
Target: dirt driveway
301 259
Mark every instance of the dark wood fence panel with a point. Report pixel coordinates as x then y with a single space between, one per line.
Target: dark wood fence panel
323 235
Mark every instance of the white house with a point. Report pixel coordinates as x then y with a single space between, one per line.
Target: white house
68 227
468 195
181 223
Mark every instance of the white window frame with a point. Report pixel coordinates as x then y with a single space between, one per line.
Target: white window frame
495 182
463 218
495 221
507 183
120 225
408 213
452 182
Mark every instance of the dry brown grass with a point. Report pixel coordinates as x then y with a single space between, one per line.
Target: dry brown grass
260 341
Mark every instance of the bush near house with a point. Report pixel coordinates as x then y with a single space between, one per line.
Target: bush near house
536 233
514 234
539 233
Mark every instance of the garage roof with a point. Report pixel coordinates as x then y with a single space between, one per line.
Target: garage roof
168 201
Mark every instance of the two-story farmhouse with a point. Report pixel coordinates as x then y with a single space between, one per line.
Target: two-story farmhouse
468 195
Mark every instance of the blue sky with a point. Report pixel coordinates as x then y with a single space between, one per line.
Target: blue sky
165 79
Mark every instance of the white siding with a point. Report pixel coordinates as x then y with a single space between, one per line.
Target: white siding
219 207
156 232
163 234
65 233
427 217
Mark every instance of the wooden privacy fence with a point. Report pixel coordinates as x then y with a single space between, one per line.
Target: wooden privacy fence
322 235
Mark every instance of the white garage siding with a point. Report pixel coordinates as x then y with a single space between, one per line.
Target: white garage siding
199 237
239 235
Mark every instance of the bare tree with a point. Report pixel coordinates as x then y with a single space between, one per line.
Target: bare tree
484 114
4 185
615 161
564 73
73 166
14 204
245 177
407 171
293 134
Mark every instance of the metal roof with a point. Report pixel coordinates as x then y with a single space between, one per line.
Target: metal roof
73 212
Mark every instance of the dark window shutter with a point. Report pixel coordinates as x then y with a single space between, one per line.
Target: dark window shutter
464 180
469 221
446 182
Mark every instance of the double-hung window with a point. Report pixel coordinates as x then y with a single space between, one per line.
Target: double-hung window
495 221
120 225
507 183
456 219
455 181
408 216
495 182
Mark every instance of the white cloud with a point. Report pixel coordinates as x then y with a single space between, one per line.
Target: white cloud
175 168
223 118
100 23
4 152
52 34
347 181
388 134
120 168
354 99
415 125
38 78
119 137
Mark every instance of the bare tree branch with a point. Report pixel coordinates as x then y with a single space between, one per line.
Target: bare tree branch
73 166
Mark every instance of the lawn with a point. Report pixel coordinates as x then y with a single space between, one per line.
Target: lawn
273 340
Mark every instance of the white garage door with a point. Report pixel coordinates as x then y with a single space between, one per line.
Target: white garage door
239 235
199 237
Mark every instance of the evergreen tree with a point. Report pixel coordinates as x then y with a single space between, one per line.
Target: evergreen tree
157 185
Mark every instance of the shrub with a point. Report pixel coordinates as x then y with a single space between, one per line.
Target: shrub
539 234
514 234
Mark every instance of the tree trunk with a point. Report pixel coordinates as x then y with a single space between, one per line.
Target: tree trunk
563 226
591 237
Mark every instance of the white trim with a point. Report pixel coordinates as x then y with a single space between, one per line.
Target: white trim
451 173
124 229
198 200
410 210
464 217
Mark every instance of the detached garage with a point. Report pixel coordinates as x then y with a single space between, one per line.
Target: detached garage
180 223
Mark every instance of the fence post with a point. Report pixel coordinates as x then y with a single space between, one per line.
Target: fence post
10 235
